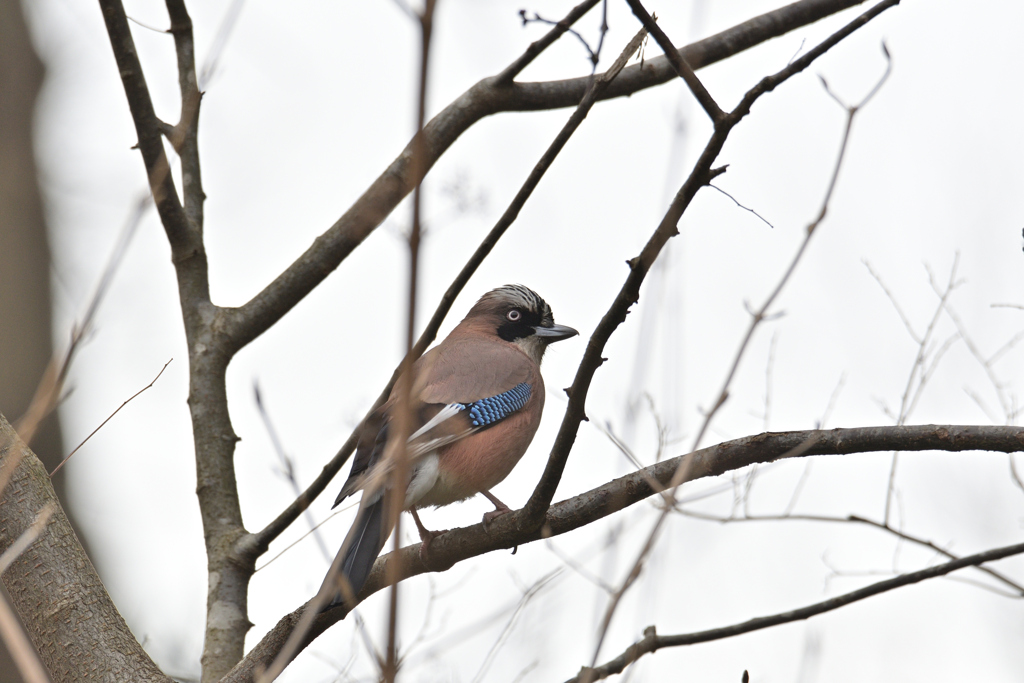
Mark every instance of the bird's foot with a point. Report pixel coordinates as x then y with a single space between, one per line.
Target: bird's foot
493 515
426 538
499 510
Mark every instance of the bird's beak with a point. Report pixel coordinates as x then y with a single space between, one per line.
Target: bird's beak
554 333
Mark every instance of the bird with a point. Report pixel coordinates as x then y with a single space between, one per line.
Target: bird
476 401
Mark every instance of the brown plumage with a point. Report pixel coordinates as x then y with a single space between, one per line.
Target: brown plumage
482 370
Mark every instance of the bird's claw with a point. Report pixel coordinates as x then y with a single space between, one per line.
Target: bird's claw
493 515
426 538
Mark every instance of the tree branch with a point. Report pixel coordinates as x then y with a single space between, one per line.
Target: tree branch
585 508
73 624
652 642
1012 585
491 96
762 313
538 46
185 135
629 294
679 65
209 348
185 245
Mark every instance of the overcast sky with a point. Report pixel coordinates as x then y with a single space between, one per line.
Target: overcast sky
310 102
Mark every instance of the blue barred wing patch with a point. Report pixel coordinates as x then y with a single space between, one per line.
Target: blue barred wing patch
488 411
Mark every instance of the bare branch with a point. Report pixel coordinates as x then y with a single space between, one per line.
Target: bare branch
629 294
653 642
537 47
917 380
678 62
737 203
185 135
722 128
182 239
288 471
508 531
1018 590
51 386
491 96
93 432
758 317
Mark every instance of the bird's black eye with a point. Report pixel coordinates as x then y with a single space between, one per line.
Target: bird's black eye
514 315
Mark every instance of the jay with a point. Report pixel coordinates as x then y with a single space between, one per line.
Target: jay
476 403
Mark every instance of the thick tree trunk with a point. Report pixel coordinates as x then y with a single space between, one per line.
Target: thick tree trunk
73 624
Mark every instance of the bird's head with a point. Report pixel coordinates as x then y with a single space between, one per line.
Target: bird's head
519 315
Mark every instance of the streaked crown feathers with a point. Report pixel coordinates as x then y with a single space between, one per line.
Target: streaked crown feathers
517 296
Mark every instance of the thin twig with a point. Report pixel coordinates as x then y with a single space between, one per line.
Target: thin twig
402 424
506 631
798 489
1018 589
592 55
769 366
334 513
579 568
758 317
51 386
678 62
918 377
1002 350
737 203
129 400
892 299
146 26
626 451
627 583
19 646
288 469
986 363
220 41
832 399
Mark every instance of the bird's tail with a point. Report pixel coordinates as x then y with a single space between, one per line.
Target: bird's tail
369 534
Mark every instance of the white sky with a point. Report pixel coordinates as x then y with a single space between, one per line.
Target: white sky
309 105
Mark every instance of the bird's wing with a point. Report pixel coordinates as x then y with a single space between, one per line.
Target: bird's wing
462 386
467 385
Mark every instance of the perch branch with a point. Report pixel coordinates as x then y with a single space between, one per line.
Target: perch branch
506 532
